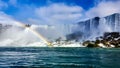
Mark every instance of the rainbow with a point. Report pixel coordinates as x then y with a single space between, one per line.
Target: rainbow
35 33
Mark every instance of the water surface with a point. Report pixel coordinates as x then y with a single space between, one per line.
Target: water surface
22 57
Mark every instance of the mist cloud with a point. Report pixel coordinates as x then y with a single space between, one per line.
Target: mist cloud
5 19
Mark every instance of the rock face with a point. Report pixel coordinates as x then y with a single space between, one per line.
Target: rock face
113 38
109 39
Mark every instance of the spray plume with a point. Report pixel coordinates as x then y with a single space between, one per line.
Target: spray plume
34 32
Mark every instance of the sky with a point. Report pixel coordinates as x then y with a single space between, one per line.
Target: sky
55 11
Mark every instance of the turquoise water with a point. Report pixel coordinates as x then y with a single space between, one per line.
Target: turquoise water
59 57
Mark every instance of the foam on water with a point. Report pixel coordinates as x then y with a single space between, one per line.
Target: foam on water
12 43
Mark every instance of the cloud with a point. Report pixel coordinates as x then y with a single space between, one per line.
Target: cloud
103 9
6 19
59 13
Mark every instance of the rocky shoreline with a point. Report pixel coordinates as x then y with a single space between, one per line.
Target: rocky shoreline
108 40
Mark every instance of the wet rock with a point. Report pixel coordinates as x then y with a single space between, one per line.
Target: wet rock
90 44
108 40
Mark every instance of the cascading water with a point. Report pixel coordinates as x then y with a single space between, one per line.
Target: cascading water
88 30
95 27
104 26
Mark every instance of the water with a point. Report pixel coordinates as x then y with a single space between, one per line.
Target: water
22 57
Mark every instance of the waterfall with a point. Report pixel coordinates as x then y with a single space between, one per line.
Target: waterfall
95 27
84 30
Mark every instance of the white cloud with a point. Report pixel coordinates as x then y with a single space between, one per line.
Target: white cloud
103 9
59 13
6 19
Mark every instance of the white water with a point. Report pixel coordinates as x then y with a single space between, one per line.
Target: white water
99 31
106 24
20 37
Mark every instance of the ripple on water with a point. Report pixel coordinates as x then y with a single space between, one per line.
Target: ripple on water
60 57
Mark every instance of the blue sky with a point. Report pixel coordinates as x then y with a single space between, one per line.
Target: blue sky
57 11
